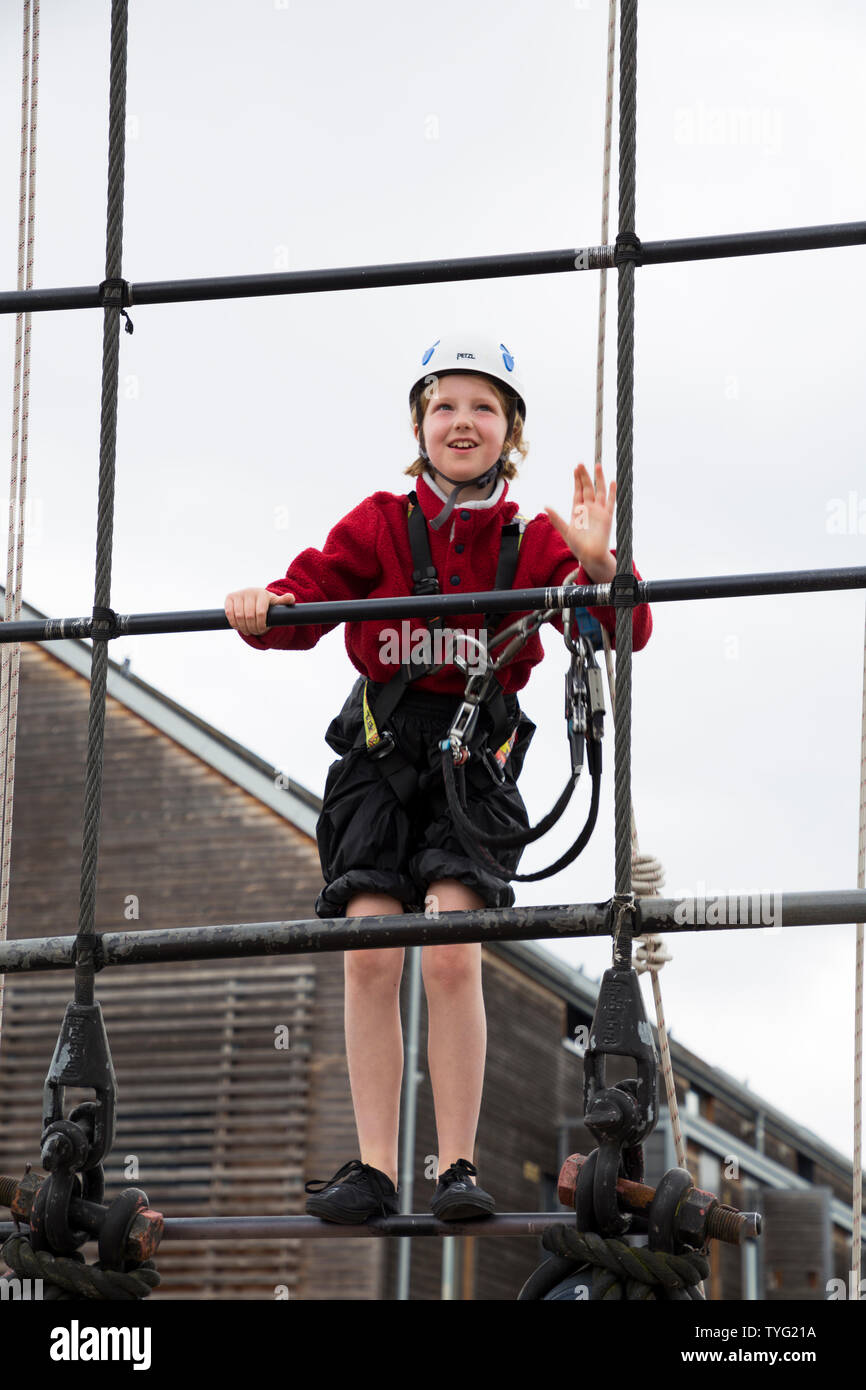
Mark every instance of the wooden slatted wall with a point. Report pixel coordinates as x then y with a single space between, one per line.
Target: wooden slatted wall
211 1110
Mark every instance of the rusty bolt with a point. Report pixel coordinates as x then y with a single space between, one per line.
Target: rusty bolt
144 1235
691 1220
700 1215
726 1223
18 1193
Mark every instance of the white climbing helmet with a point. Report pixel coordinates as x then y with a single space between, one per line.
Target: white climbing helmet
469 351
475 354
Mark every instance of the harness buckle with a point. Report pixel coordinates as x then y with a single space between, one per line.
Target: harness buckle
463 725
385 745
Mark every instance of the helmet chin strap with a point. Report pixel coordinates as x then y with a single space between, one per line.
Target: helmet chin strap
491 476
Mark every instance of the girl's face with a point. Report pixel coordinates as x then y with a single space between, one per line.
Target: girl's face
464 426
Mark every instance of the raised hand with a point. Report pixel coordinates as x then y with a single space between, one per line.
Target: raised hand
587 534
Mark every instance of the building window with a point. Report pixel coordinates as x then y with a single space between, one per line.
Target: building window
806 1167
709 1173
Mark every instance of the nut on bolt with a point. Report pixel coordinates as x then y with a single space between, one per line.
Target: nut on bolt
18 1193
699 1217
691 1221
142 1238
144 1235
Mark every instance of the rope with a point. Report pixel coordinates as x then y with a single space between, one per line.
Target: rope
11 660
86 939
858 1011
652 953
68 1277
627 1272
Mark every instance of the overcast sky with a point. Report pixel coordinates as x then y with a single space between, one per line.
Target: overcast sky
286 134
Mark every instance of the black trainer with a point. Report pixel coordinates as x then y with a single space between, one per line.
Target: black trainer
456 1198
355 1193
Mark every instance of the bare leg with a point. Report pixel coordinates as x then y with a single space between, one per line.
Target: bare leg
457 1033
374 1038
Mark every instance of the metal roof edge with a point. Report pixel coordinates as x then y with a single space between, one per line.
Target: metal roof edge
225 755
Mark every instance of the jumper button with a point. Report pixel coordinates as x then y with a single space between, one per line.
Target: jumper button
455 579
460 549
464 516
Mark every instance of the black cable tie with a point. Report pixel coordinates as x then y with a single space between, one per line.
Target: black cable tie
105 615
625 918
115 294
627 247
97 950
624 591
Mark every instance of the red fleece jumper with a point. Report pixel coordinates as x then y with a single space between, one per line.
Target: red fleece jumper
367 555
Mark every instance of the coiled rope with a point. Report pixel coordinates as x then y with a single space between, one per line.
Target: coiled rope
68 1277
625 1272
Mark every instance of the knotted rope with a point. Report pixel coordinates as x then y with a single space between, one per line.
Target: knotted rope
626 1272
68 1276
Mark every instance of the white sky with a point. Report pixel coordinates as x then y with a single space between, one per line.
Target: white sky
298 135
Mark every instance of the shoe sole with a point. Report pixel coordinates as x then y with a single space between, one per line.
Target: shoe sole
462 1209
340 1216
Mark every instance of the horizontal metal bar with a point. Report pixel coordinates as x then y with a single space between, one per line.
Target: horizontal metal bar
740 912
704 248
292 1227
493 601
215 1228
364 277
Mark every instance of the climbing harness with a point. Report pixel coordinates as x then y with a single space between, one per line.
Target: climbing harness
378 740
584 714
584 709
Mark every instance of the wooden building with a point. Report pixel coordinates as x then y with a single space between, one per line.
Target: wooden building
232 1079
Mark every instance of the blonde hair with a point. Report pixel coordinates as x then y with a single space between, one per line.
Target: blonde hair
516 442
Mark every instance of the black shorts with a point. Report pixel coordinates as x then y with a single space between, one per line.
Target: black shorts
369 841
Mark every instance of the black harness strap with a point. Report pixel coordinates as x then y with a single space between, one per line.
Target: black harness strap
425 581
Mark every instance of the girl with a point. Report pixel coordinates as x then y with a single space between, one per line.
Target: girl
385 838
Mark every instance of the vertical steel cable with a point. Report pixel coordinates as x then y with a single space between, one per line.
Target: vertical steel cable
624 443
11 660
85 946
650 873
605 206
